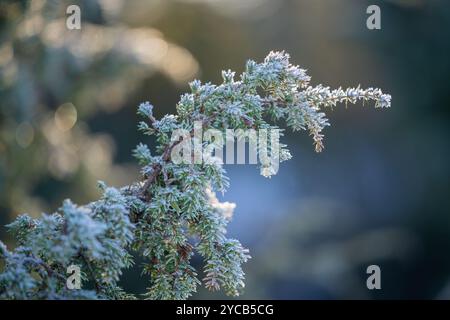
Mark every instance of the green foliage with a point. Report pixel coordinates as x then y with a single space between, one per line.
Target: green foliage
173 211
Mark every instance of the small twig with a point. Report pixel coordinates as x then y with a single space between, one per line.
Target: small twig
50 272
98 287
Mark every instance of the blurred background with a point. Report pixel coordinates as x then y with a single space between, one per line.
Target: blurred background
378 194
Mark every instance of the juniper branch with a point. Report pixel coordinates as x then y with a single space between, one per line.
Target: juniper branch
172 213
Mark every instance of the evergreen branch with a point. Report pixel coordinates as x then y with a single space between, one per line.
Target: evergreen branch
173 202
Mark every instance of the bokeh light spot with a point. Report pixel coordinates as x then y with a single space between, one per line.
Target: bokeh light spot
65 117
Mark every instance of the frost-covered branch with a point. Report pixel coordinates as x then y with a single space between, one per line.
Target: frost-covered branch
172 212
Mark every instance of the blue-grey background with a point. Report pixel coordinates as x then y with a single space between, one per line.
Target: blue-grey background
378 194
